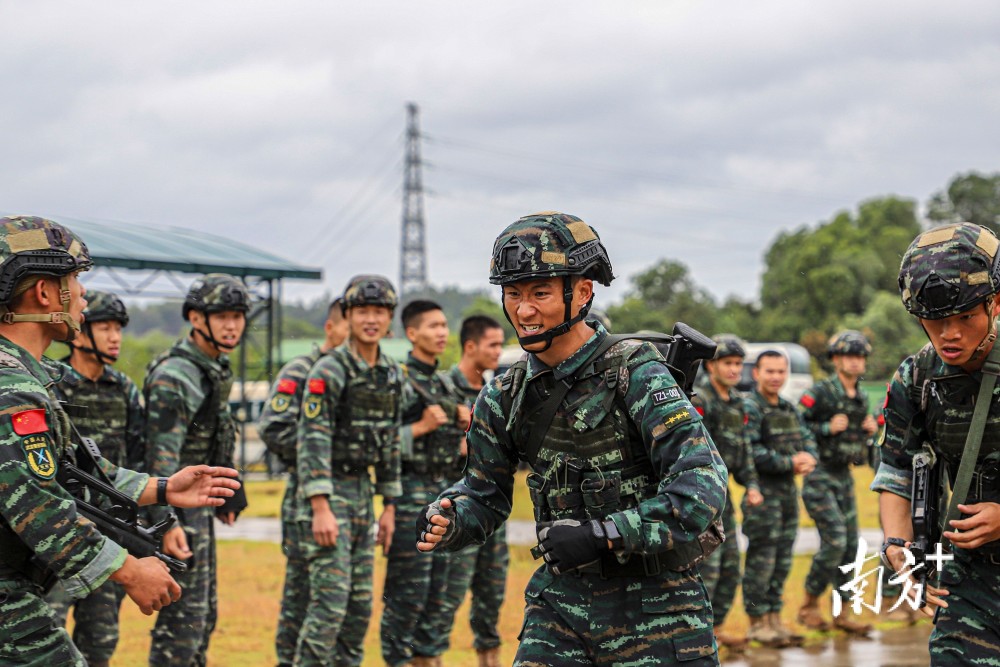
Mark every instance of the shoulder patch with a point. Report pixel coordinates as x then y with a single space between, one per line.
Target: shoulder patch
39 455
701 410
287 386
311 406
672 421
667 395
29 422
317 386
807 400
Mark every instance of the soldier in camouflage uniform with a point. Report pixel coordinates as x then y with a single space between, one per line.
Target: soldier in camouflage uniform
625 480
948 279
722 408
189 421
836 411
278 425
415 627
107 408
481 569
42 537
350 421
783 447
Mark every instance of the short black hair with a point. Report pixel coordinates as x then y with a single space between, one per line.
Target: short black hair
336 310
415 309
771 354
474 326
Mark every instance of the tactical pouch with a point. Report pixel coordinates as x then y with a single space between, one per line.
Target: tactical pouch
536 489
601 496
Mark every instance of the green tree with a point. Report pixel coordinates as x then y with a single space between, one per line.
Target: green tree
893 333
661 296
971 197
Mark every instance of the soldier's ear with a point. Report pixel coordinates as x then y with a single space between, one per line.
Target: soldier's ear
583 289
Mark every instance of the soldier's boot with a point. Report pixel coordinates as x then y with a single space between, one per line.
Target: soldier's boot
810 616
790 637
852 627
489 657
731 642
760 631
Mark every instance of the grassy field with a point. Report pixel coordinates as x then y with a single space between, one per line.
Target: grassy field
251 576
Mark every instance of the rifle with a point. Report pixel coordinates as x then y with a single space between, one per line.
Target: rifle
120 521
684 349
924 514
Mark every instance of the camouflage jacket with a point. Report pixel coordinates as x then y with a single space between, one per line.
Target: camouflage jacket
332 441
938 413
38 517
279 420
772 452
436 453
687 477
113 414
188 418
466 390
819 404
726 421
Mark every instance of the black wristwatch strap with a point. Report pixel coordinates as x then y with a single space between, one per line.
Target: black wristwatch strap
161 491
388 501
891 542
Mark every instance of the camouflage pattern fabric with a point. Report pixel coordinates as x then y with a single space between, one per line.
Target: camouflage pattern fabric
370 290
216 293
114 417
776 433
968 631
188 423
849 342
39 517
726 423
415 622
277 426
828 491
585 619
351 414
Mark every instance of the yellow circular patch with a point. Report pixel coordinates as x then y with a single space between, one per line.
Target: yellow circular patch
312 406
280 402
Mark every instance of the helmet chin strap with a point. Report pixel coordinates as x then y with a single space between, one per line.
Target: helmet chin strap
58 317
991 331
211 340
568 323
103 357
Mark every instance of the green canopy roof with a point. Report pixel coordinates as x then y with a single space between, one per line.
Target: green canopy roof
131 246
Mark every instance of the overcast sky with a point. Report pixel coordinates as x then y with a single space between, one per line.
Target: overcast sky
690 130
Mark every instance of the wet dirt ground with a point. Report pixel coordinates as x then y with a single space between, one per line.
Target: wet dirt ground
900 647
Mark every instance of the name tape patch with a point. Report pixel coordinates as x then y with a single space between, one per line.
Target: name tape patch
662 396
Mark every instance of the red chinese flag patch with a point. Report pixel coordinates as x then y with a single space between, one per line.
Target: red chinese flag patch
881 420
317 386
287 386
701 410
807 400
29 422
746 419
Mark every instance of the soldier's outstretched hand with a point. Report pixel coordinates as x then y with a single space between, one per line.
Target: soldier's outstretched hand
435 525
201 486
148 582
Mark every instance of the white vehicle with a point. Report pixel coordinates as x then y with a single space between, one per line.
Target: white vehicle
799 375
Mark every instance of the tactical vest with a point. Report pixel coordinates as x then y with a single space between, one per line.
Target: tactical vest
781 432
841 449
104 417
438 451
211 433
728 420
366 415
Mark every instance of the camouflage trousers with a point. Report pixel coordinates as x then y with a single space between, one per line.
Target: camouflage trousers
968 631
829 498
295 594
483 571
625 622
770 529
415 583
29 635
340 579
721 570
184 628
95 619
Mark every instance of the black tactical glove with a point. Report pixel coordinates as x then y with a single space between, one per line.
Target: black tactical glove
567 544
235 503
424 524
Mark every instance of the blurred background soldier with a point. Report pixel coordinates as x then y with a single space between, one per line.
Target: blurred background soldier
42 536
625 481
836 411
351 412
188 422
278 425
481 569
724 413
104 404
432 440
783 447
949 279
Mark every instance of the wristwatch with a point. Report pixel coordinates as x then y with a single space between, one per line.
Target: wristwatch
388 501
891 542
161 491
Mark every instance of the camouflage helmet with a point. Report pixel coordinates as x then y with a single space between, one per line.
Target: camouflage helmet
104 307
30 245
369 290
949 270
215 293
729 345
849 342
546 245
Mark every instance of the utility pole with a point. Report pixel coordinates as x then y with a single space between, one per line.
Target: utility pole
412 254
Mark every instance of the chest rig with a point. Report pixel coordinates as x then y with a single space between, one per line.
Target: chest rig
438 452
726 421
780 430
849 445
365 414
104 416
211 434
